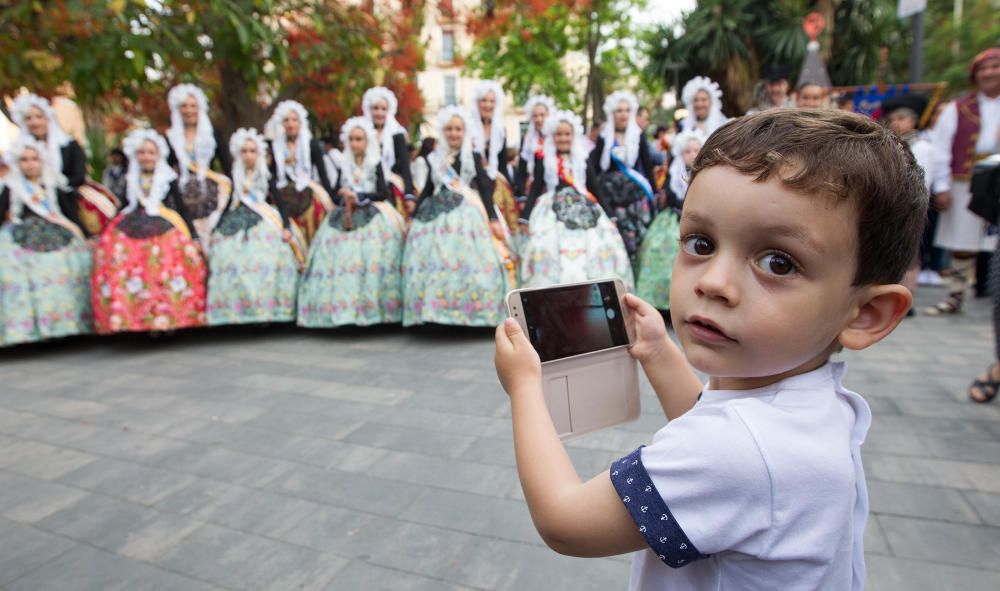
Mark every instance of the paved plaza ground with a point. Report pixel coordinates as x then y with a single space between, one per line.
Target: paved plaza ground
277 458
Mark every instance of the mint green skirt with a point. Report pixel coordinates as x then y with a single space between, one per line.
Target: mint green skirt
656 260
44 282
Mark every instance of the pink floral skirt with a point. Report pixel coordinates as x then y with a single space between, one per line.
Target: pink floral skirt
154 283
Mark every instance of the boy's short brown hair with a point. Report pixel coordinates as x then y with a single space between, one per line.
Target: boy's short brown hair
839 154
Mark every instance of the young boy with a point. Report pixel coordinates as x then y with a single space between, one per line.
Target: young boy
796 230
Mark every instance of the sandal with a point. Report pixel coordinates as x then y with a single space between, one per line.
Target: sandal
986 386
950 305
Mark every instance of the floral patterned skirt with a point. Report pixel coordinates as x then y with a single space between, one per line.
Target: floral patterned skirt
155 282
629 206
352 277
44 282
453 272
571 239
656 260
253 274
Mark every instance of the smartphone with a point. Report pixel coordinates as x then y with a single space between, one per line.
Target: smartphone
581 332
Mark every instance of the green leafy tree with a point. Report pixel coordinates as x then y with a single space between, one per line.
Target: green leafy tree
732 40
949 46
244 52
525 44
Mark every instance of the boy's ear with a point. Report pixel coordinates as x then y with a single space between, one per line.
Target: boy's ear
881 308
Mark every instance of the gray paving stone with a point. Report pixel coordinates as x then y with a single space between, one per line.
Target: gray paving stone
875 542
229 466
24 548
128 481
124 444
498 564
348 490
886 572
302 423
29 500
87 569
922 502
361 575
403 546
987 506
419 441
238 560
963 449
506 519
237 507
947 473
41 460
343 532
444 473
118 526
937 541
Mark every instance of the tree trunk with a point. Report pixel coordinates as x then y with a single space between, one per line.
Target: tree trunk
237 106
827 8
593 40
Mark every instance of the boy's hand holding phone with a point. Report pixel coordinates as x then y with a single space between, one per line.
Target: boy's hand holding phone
517 362
651 338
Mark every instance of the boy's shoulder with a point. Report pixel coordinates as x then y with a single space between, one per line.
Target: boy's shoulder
801 428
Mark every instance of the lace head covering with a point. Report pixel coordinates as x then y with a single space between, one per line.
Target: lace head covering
17 183
632 132
678 172
442 156
257 179
578 153
371 161
163 174
715 118
302 172
57 138
391 126
530 143
474 125
204 138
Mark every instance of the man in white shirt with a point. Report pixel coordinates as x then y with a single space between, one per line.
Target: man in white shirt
967 131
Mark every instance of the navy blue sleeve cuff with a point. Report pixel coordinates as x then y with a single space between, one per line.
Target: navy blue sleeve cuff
650 513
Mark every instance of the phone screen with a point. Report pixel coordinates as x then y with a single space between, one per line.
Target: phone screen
567 321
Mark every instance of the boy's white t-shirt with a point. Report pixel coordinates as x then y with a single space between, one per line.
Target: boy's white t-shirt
753 489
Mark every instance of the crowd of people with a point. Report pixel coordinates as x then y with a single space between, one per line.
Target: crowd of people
190 228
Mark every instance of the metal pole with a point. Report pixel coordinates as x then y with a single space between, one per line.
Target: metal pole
917 47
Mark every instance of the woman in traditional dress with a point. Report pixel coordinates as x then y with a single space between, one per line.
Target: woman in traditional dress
255 257
194 147
620 172
703 101
569 236
659 248
297 168
456 268
353 272
489 139
149 274
379 106
44 258
538 108
87 204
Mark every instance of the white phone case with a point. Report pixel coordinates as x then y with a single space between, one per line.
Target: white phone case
591 391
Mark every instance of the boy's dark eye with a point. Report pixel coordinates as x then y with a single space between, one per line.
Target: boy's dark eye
697 245
777 264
